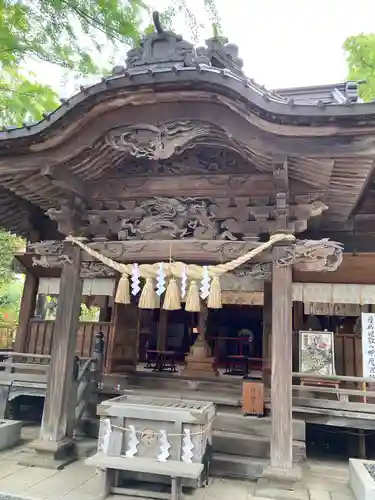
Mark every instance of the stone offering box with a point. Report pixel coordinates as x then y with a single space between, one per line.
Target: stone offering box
10 433
362 478
161 429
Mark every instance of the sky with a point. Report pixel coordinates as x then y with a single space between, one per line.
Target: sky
284 43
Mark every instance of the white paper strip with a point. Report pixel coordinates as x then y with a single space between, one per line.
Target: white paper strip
205 283
187 447
135 280
133 443
164 447
184 280
105 432
160 280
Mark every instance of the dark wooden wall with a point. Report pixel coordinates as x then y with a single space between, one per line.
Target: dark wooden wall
357 269
40 332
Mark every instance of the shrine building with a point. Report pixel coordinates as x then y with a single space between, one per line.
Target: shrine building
208 225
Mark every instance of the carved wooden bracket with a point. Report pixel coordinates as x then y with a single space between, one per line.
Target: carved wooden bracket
312 255
70 215
199 218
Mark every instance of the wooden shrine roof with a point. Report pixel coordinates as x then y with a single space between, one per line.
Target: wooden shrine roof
170 100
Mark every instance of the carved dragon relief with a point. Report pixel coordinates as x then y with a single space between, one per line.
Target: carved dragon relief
180 218
313 255
161 218
160 143
206 161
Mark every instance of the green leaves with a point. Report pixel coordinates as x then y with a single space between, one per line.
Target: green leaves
9 244
360 56
23 100
71 34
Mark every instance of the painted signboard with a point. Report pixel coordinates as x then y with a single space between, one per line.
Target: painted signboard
316 352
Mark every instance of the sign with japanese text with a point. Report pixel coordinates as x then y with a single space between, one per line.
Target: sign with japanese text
368 344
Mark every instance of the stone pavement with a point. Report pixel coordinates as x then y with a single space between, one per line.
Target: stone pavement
323 480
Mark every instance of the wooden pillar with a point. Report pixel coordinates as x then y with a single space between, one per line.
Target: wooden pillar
162 330
104 311
57 415
267 334
28 301
281 376
122 354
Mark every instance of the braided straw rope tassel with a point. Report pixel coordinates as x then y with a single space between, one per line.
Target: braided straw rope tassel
173 271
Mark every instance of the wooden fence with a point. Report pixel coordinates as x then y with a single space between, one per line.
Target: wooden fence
39 338
7 336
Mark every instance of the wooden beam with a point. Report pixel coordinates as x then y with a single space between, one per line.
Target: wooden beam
281 376
56 420
66 180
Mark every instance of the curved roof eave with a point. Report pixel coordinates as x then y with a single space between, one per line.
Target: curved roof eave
262 102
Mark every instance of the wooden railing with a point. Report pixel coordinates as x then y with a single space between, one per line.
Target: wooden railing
335 392
39 339
87 385
31 371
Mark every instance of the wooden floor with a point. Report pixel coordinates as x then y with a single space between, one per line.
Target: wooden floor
226 390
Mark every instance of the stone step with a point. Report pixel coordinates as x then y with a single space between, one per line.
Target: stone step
233 466
231 443
235 422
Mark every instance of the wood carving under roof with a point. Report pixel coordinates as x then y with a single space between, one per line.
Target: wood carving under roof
304 255
156 250
164 141
197 161
162 218
88 269
69 216
261 271
312 255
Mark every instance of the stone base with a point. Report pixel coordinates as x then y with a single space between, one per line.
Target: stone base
200 367
50 454
281 478
10 433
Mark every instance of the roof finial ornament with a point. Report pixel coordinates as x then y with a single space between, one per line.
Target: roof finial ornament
158 27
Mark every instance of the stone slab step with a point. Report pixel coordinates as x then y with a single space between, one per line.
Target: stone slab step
233 466
254 426
231 443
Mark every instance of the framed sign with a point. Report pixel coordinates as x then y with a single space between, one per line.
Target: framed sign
316 352
368 344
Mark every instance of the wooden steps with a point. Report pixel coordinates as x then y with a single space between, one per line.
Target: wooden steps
244 445
234 466
233 421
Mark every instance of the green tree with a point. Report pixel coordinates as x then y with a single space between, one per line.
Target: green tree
10 301
9 244
360 56
72 34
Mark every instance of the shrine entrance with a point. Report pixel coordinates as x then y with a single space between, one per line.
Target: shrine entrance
233 334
